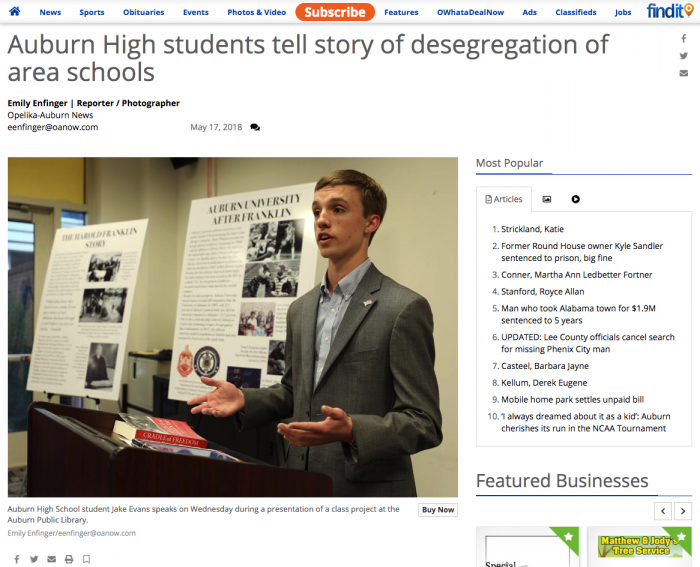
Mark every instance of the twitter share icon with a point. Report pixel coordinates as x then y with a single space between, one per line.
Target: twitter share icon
33 558
684 55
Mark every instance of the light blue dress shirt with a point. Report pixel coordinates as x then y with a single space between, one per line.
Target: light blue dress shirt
331 311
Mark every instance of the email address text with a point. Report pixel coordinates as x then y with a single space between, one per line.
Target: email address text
70 533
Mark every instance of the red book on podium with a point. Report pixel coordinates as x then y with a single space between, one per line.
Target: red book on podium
158 429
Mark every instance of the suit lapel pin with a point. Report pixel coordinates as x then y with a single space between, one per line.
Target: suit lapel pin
368 303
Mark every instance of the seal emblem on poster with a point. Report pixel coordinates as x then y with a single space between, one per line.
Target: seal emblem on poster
185 362
206 362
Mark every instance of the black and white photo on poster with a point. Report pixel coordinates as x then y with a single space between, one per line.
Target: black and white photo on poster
275 358
103 305
257 319
271 279
276 240
102 362
104 267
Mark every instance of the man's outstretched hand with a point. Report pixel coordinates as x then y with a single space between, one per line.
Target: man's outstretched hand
224 400
336 427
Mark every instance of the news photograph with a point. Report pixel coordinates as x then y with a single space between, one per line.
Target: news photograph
275 358
257 319
104 267
103 305
279 240
100 369
271 279
243 377
277 281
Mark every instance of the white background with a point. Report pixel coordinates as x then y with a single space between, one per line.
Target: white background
625 112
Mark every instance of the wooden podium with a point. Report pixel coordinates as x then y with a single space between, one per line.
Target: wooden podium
73 452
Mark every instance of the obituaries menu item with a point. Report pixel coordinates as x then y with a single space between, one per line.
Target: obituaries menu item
248 256
85 308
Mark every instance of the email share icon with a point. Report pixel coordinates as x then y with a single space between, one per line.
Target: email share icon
51 559
684 72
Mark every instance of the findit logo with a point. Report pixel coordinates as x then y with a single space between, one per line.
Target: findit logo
672 11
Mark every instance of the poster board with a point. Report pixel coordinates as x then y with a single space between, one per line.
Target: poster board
80 340
248 256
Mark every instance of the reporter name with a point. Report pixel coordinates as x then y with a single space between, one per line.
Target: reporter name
89 104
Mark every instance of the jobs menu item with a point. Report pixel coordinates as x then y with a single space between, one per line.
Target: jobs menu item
583 325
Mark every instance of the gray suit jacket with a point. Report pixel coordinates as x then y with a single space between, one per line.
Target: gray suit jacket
379 370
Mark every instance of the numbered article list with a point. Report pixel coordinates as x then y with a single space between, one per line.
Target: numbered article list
583 325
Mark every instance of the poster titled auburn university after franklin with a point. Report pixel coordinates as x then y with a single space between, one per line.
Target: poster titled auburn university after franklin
248 256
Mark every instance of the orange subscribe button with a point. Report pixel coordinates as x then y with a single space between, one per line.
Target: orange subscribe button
335 12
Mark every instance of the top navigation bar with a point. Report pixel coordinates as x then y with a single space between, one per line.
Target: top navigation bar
409 11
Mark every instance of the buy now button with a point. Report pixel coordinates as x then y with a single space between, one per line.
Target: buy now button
437 510
335 12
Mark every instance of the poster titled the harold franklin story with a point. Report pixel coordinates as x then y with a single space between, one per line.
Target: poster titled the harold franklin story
85 308
248 256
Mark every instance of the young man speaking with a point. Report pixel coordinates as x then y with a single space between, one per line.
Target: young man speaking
359 382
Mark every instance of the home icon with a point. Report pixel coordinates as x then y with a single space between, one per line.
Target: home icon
14 11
